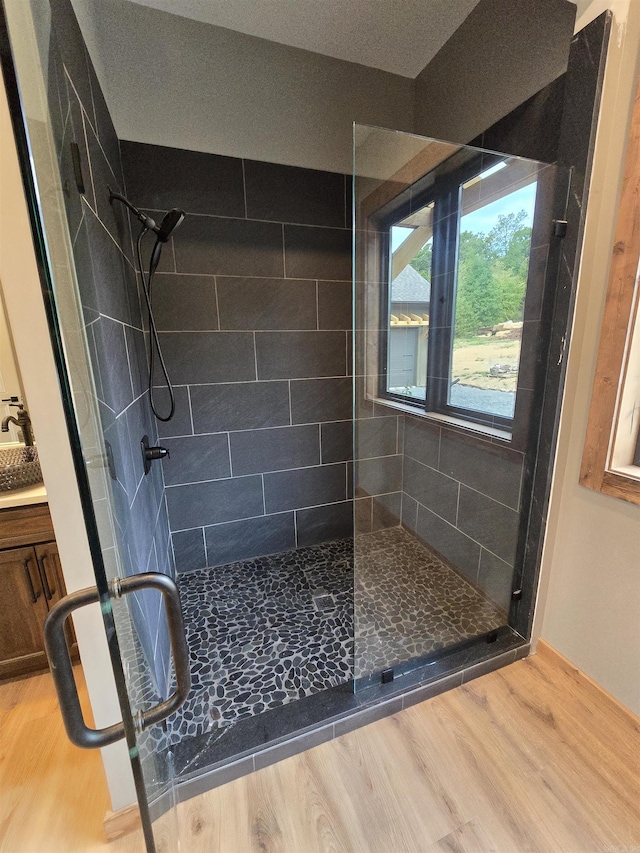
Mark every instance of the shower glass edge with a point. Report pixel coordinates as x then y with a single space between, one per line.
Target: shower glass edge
441 234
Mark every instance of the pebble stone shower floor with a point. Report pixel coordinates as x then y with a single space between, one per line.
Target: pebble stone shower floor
267 631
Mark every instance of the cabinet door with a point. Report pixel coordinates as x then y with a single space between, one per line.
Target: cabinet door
53 584
23 609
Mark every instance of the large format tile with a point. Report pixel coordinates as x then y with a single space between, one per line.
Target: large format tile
319 253
242 405
378 476
316 400
193 181
386 511
495 578
180 423
485 467
266 303
84 272
304 487
275 449
189 549
447 540
207 245
409 511
334 305
490 523
113 364
376 437
185 303
291 194
137 354
195 458
432 489
422 441
336 439
213 502
324 523
299 355
116 295
253 537
208 357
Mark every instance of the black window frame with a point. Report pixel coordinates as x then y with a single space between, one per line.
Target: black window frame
443 188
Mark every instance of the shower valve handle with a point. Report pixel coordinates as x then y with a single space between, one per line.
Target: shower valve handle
150 454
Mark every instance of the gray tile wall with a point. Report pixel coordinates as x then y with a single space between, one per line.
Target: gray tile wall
253 307
461 494
106 278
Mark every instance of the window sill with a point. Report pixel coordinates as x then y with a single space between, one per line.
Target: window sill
630 471
449 420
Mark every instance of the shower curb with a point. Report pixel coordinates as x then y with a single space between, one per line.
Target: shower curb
200 781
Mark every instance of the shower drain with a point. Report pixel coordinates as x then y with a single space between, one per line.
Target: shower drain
323 602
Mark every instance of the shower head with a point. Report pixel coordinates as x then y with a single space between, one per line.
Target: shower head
163 231
169 224
147 221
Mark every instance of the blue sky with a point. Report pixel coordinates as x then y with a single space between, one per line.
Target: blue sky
482 221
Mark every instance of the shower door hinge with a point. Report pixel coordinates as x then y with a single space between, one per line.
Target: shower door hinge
560 227
387 676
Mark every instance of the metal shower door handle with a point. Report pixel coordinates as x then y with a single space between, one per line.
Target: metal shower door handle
61 670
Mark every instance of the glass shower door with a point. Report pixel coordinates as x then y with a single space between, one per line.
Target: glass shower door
121 503
451 286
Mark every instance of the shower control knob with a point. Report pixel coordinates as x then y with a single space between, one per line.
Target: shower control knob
150 454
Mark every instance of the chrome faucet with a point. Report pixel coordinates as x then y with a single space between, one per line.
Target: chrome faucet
22 421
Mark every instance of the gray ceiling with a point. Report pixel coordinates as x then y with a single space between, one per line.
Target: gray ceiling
399 36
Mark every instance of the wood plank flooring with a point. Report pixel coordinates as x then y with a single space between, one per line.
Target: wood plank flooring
529 758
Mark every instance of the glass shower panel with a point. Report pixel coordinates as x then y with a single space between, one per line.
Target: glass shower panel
450 263
55 115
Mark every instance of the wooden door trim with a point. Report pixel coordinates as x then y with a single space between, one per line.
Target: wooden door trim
616 326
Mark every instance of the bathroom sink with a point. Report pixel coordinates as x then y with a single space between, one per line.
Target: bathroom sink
19 468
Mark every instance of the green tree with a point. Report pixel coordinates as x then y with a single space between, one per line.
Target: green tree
501 235
422 261
492 274
477 298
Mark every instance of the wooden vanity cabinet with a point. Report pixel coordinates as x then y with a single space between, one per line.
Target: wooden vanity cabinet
30 584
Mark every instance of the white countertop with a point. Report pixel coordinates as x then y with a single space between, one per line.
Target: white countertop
23 497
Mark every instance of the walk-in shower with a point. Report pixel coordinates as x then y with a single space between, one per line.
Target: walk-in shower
353 378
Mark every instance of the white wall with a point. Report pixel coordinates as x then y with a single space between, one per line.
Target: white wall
589 599
173 81
26 315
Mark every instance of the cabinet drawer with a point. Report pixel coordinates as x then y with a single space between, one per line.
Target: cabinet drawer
25 525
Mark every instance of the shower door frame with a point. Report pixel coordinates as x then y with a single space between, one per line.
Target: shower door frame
105 591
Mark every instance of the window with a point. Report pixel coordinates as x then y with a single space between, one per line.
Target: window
458 260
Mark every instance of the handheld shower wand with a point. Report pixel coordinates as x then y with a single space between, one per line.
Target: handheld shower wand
163 232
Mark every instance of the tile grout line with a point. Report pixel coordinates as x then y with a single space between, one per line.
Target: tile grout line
229 452
215 290
255 356
284 254
204 545
244 189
